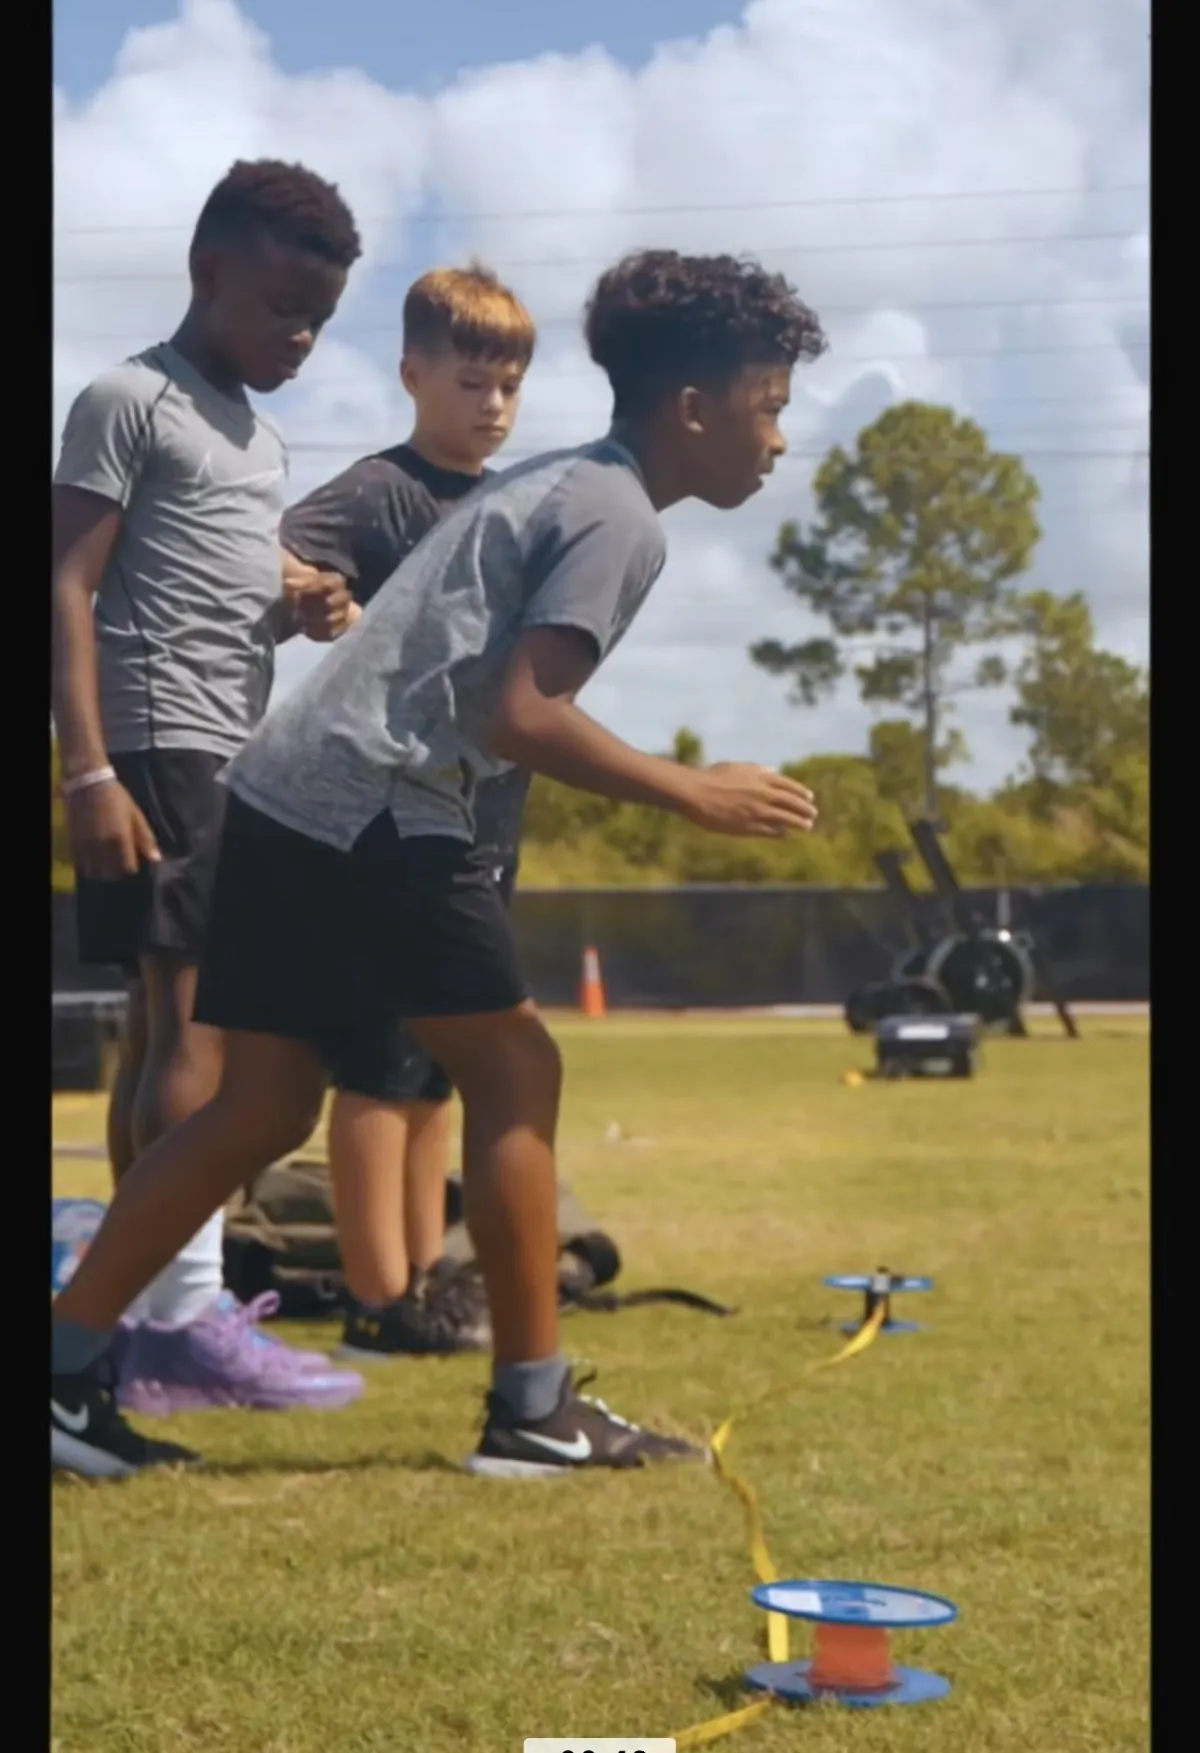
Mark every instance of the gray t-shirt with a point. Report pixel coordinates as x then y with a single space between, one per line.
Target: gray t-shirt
189 609
364 524
394 716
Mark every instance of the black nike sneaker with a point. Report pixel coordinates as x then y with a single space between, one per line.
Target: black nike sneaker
579 1433
443 1312
89 1436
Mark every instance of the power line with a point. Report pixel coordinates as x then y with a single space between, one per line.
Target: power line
823 249
1099 430
827 310
887 356
344 447
806 203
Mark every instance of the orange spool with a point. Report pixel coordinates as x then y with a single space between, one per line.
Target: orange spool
851 1658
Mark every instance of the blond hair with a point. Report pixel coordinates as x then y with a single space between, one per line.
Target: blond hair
470 310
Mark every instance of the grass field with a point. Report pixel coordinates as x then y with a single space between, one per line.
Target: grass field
333 1585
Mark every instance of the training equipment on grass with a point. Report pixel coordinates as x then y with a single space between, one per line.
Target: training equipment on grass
926 1046
73 1223
988 975
878 1290
869 1005
851 1662
982 968
987 970
848 1668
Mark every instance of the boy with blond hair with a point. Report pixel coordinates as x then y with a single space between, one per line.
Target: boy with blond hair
467 344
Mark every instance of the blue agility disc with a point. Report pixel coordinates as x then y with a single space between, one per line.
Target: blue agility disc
865 1281
840 1603
789 1681
850 1328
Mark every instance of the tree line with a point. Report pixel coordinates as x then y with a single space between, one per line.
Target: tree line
913 561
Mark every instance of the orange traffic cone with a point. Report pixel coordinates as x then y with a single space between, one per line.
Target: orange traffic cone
591 986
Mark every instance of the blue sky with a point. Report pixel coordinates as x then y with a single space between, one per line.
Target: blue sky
418 46
957 186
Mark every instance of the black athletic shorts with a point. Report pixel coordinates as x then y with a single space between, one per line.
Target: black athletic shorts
164 908
388 1065
338 948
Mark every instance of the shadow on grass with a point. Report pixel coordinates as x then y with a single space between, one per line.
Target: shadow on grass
729 1692
419 1461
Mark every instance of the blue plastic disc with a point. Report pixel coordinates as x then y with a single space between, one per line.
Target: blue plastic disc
73 1223
852 1327
861 1281
841 1603
789 1681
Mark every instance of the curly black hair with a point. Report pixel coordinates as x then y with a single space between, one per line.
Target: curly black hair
287 201
659 320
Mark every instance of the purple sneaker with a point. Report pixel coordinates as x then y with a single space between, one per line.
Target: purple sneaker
261 1308
221 1361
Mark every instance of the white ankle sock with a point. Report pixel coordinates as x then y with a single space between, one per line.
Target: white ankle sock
138 1310
193 1280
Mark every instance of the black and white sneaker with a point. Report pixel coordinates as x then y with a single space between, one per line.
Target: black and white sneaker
579 1433
442 1313
89 1436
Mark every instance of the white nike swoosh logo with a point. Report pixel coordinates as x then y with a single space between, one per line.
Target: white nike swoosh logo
76 1421
578 1449
206 475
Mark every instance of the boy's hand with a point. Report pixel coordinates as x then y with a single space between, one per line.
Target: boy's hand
108 834
320 601
735 797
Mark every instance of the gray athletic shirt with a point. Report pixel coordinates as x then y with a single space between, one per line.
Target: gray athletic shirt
393 717
188 610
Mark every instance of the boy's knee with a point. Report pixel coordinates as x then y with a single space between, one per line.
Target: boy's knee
522 1065
526 1068
268 1132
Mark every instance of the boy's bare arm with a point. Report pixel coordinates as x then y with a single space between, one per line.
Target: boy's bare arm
109 836
538 726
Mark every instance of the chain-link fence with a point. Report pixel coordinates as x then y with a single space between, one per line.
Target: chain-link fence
727 946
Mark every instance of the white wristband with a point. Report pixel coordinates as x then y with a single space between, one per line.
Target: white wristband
84 781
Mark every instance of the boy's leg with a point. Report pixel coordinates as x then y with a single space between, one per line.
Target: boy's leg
426 1169
118 1125
389 1147
181 1072
199 1349
509 1073
153 923
429 939
131 1059
267 1105
368 1146
187 1321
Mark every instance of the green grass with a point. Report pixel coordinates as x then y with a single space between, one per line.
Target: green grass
333 1585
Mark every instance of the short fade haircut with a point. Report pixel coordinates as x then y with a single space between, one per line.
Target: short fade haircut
658 321
286 202
470 311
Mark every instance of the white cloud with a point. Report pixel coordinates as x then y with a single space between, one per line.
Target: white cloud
780 134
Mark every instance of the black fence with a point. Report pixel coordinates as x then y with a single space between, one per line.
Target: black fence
726 946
